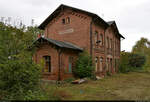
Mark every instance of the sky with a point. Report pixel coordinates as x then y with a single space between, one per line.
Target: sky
132 16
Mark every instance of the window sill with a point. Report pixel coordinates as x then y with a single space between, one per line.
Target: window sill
68 72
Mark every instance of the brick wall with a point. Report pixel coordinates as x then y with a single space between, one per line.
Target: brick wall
78 33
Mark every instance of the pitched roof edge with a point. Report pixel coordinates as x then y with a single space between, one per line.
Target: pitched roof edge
56 12
60 44
113 22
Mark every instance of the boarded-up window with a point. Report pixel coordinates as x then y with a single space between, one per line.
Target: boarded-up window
67 20
111 64
70 64
96 64
47 63
107 64
101 64
110 44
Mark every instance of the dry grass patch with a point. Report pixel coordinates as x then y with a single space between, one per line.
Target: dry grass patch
130 86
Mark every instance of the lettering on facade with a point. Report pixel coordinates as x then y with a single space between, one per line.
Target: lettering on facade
71 30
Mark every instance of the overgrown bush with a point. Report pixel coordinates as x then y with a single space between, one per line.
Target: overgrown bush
18 75
131 62
83 67
18 72
136 60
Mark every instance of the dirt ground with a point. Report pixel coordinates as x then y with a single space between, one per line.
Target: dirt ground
130 86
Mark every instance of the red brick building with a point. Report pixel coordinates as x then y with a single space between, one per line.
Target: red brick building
67 32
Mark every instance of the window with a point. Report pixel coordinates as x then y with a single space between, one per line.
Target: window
107 42
63 21
111 64
101 64
107 64
96 36
96 64
101 39
47 63
70 64
110 43
67 20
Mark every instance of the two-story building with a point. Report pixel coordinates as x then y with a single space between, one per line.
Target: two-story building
67 32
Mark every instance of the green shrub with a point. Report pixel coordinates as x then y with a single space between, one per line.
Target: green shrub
18 75
131 62
136 60
83 67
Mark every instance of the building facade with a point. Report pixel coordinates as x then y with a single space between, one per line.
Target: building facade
67 32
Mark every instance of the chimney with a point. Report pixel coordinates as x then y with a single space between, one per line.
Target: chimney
39 35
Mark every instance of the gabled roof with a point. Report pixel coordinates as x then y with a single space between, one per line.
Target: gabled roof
113 22
94 16
110 22
59 43
61 7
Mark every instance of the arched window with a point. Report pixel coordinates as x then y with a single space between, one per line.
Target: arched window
67 20
96 64
47 63
101 64
110 44
107 42
96 36
101 39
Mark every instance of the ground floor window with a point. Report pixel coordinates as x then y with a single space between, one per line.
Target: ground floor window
96 64
70 64
115 65
47 63
111 64
107 64
101 64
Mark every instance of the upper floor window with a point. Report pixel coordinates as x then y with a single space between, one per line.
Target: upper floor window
110 43
101 39
66 20
107 42
63 21
96 36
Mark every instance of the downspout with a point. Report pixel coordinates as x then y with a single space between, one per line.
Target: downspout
105 50
59 63
91 45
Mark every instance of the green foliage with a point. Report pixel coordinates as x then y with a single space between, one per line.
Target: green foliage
84 66
142 47
68 80
136 60
18 73
108 73
131 62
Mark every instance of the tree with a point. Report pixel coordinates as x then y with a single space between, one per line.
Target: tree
131 62
18 73
142 47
